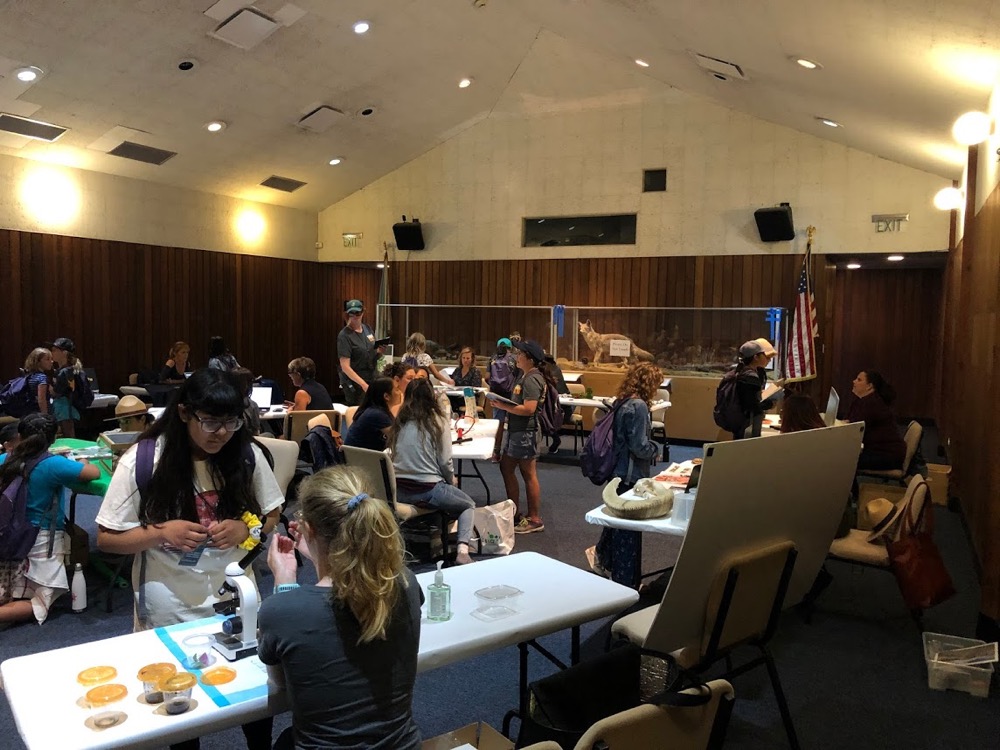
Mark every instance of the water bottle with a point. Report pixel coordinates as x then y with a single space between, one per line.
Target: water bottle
470 403
78 589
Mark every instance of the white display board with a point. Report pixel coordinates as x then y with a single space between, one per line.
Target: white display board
620 348
788 487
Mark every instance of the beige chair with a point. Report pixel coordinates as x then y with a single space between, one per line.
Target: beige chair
744 605
297 422
648 726
286 456
576 390
912 439
378 467
659 427
348 418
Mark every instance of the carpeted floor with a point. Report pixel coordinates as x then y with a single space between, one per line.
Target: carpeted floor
854 677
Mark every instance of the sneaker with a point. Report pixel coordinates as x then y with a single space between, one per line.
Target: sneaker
529 526
594 563
554 445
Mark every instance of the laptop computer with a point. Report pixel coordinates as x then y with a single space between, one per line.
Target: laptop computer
261 396
832 405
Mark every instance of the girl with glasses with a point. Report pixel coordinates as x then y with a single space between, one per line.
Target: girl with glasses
210 495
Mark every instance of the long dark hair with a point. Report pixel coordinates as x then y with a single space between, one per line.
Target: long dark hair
420 406
217 346
885 391
171 489
375 396
798 412
37 432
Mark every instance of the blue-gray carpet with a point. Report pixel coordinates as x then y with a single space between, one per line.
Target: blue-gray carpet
854 677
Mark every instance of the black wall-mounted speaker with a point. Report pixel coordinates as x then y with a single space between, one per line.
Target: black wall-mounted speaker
408 235
775 223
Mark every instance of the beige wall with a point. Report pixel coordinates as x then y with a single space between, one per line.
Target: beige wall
472 191
39 197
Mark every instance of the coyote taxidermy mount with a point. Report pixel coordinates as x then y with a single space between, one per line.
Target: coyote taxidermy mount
600 344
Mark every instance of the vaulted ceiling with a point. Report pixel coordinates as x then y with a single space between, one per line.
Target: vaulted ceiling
894 74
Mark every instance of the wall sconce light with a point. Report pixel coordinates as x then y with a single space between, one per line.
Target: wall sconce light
972 128
949 199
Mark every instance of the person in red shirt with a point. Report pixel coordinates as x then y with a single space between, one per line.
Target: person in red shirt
883 447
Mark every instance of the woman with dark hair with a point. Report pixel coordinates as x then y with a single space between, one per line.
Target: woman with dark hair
178 362
799 412
346 646
617 553
373 419
251 412
219 356
308 393
883 447
420 441
29 586
401 375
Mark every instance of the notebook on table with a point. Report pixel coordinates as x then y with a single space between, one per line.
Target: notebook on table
832 405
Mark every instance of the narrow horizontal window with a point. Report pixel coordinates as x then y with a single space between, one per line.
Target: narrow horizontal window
553 231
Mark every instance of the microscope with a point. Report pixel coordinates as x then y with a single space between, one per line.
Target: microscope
238 638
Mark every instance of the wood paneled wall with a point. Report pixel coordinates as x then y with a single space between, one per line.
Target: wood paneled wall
971 392
880 319
125 304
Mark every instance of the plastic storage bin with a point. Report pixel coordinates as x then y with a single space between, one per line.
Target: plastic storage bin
497 602
974 679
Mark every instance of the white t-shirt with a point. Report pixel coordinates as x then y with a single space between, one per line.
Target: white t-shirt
176 593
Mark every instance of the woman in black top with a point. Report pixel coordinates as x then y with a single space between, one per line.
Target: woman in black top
467 373
372 422
177 363
219 356
308 393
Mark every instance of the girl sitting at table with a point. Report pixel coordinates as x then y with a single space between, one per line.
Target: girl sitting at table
416 355
178 362
308 393
467 374
799 412
29 586
401 375
210 495
421 454
374 418
617 553
345 647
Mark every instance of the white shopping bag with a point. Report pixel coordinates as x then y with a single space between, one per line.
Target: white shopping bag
495 528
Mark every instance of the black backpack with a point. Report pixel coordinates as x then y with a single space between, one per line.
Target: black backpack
549 413
728 413
83 393
16 398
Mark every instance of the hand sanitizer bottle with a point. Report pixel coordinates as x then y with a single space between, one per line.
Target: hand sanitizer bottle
439 596
470 404
78 589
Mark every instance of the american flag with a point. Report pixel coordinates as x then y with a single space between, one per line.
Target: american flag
801 363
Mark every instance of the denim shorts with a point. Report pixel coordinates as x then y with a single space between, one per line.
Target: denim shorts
520 445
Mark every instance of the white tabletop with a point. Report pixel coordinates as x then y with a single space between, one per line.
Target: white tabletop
556 596
572 377
274 411
102 400
604 403
483 434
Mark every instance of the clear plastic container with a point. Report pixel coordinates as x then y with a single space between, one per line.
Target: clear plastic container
177 692
973 679
198 652
104 702
497 602
151 676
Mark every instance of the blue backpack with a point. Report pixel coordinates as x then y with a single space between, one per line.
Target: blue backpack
17 533
597 460
502 376
16 398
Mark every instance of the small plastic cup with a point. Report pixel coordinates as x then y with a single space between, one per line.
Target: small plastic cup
198 651
177 692
102 700
151 676
96 675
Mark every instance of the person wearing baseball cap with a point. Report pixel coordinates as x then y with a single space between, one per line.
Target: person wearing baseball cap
750 376
68 369
357 353
131 414
519 449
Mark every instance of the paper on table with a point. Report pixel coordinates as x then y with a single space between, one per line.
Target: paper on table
772 390
677 474
985 654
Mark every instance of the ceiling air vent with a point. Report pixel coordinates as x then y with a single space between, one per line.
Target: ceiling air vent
41 131
320 119
138 152
720 69
285 184
245 29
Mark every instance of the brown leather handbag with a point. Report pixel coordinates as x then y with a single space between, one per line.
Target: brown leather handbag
917 563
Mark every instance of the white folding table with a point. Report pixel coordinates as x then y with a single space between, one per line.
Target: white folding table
45 697
479 448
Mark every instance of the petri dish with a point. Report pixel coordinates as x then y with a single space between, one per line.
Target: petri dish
218 676
96 675
493 613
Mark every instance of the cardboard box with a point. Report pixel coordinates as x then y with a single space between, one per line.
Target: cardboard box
868 491
937 478
479 736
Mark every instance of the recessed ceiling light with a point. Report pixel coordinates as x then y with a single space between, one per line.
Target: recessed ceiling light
895 258
215 126
361 27
28 74
642 63
335 161
828 122
806 63
465 83
854 266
